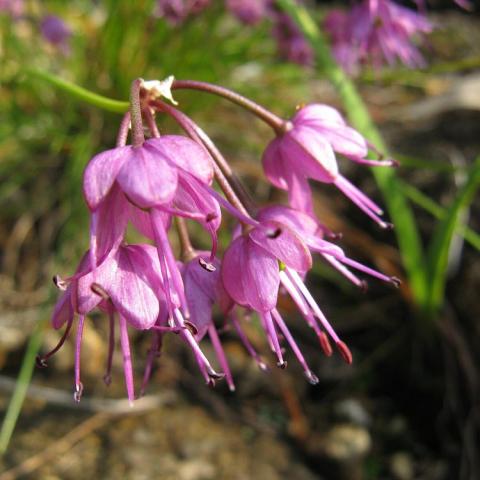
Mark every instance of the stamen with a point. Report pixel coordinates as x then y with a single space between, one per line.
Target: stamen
246 342
154 352
78 347
100 291
41 360
107 378
222 359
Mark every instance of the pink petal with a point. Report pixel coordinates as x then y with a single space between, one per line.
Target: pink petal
273 164
111 222
63 310
309 154
185 154
101 172
278 240
130 293
259 277
318 112
296 220
232 267
105 274
147 179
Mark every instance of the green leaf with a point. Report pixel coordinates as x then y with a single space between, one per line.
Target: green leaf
23 381
440 247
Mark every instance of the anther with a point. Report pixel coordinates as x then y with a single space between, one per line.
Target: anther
282 365
107 379
210 216
325 344
363 286
396 282
41 362
191 327
345 352
77 395
99 290
387 225
59 283
206 265
311 377
275 233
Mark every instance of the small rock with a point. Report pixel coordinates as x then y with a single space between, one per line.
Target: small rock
401 466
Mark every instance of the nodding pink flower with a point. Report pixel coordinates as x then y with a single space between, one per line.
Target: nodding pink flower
307 151
56 32
127 284
249 12
254 266
291 43
377 30
165 174
177 11
311 233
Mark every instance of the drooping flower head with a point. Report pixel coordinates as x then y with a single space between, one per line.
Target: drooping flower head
307 151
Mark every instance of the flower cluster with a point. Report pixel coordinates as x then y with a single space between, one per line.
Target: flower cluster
159 184
379 31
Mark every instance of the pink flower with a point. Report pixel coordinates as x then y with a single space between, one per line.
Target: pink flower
56 32
249 12
291 43
311 233
377 30
177 11
254 266
307 151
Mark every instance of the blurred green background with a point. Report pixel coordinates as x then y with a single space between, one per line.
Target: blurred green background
407 408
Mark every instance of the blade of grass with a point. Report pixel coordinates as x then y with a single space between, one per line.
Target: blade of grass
440 247
399 209
23 381
425 202
81 93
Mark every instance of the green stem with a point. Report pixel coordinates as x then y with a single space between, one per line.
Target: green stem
94 99
21 387
405 227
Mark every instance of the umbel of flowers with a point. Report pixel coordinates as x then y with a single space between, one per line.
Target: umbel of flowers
160 183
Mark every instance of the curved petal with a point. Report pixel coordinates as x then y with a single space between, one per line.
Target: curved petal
147 178
318 112
281 242
110 223
232 266
101 172
308 153
184 153
105 274
273 164
63 310
297 220
260 278
130 293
